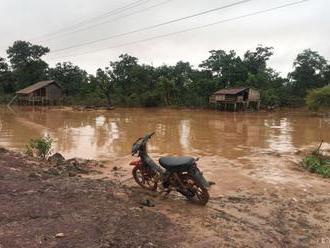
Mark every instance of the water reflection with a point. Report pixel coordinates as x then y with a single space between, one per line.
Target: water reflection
279 137
105 135
185 135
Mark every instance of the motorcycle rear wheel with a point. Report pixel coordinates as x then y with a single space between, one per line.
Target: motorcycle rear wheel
196 192
145 178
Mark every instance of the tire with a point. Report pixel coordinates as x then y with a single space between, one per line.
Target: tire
196 192
145 178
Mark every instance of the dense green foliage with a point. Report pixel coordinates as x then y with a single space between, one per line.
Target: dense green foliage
127 82
319 98
40 147
26 63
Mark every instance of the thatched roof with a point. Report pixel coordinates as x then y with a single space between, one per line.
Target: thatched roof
230 91
36 86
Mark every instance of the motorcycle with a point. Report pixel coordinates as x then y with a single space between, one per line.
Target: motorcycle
172 173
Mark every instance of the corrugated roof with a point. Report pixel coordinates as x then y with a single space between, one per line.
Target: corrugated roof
35 87
230 91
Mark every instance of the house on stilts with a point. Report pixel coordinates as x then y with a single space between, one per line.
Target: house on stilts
42 93
236 99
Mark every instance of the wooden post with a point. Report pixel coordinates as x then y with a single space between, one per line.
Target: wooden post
12 100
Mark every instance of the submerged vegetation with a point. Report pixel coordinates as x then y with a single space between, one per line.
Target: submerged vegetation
316 162
40 147
127 82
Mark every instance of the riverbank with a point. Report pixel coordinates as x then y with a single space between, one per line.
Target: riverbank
42 209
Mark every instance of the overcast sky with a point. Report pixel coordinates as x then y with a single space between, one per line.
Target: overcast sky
62 24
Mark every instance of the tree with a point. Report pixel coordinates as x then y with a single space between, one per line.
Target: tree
123 73
309 70
134 84
326 75
166 89
26 62
23 52
256 62
6 80
3 66
227 67
3 70
104 84
318 98
71 77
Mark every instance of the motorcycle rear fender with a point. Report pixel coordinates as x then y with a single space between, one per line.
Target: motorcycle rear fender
136 162
198 176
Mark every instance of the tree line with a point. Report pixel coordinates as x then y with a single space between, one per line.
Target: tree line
126 82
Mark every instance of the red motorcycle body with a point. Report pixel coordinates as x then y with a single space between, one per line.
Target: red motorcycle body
136 162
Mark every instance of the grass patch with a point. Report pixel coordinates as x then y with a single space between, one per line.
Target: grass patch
316 162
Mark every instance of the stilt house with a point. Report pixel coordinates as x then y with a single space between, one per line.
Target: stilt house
239 98
41 93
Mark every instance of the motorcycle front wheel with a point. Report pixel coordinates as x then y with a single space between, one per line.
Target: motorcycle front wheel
194 191
144 177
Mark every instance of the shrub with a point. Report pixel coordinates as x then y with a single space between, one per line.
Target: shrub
318 98
318 163
40 147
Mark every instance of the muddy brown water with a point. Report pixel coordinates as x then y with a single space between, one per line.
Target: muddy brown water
232 146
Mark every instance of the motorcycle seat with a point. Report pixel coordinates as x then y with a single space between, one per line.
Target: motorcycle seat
174 163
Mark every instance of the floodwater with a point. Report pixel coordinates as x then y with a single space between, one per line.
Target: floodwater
259 142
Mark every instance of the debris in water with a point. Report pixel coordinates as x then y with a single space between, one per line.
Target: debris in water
59 235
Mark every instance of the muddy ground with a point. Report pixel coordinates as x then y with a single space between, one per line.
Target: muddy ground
40 208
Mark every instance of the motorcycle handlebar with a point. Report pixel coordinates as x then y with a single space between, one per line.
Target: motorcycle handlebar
148 136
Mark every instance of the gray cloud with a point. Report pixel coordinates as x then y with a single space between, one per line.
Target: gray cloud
288 30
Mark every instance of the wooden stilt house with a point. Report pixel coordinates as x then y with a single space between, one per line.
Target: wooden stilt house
235 99
41 93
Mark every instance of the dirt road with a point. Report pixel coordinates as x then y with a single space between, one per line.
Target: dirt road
39 209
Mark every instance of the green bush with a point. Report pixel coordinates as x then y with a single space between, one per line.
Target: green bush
318 98
317 163
40 147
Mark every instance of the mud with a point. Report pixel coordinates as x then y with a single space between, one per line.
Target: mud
37 210
109 210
